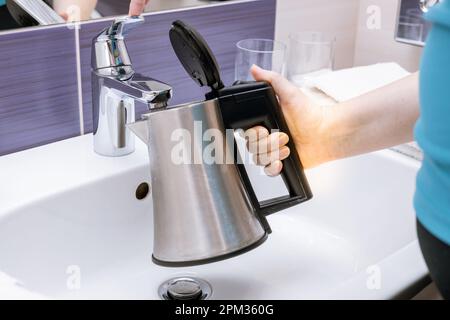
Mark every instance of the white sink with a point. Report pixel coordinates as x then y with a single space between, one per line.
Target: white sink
71 227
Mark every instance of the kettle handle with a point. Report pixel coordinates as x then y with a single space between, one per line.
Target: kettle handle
245 105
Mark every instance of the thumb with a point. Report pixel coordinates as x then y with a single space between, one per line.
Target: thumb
283 88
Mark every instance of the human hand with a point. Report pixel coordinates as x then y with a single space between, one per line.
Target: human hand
137 7
306 122
74 10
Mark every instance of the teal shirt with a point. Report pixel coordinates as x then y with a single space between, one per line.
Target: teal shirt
2 2
432 198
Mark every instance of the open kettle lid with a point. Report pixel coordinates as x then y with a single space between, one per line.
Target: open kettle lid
195 55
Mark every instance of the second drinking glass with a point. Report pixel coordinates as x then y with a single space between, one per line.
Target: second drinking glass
310 54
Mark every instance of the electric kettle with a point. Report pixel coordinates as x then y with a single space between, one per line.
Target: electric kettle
205 211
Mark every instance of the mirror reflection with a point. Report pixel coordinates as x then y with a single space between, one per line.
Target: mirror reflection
25 13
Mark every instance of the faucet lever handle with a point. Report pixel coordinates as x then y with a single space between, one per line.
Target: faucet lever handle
122 26
109 49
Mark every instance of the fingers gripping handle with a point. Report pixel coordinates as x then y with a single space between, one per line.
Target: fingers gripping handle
250 104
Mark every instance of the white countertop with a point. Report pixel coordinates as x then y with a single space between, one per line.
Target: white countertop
35 173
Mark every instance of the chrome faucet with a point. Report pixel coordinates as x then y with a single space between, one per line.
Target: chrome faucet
116 87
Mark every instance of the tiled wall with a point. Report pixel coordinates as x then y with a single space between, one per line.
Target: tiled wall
378 45
356 45
38 88
338 18
41 100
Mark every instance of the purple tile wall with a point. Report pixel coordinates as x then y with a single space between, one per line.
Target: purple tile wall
152 54
38 88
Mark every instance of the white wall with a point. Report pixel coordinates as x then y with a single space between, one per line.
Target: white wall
379 45
356 44
337 17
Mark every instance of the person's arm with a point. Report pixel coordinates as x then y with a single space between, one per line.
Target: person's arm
65 8
379 119
137 7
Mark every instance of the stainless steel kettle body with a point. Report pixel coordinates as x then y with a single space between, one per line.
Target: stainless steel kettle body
204 206
201 210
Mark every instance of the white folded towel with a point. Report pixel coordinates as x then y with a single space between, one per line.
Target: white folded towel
329 88
347 84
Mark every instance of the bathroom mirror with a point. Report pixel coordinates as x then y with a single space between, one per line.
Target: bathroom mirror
27 13
412 28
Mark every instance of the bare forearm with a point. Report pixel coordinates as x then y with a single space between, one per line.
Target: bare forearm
84 8
377 120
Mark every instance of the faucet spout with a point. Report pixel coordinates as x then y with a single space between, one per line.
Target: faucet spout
116 87
147 90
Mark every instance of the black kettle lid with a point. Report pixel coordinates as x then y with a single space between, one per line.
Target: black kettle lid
195 55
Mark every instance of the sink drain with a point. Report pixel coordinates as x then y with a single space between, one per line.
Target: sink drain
185 288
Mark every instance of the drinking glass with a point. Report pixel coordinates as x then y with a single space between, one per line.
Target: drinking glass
265 53
310 54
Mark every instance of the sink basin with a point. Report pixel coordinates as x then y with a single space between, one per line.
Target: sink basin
72 227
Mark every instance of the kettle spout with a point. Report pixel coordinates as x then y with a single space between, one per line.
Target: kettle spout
140 129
